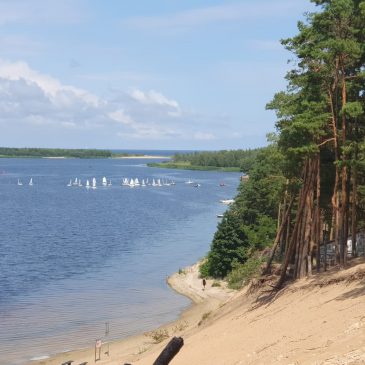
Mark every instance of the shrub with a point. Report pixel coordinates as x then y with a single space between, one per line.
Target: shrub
241 274
158 335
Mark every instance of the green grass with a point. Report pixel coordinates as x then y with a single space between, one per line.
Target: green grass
188 166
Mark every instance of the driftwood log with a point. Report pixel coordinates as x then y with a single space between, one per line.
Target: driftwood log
169 352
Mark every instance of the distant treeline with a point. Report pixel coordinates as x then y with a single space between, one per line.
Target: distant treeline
242 159
53 152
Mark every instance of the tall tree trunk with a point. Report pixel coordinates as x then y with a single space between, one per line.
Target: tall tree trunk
354 205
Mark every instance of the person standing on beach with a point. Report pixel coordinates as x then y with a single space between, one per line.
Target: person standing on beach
204 283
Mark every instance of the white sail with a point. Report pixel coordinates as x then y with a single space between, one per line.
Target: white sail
80 183
104 182
31 181
131 183
70 183
154 182
136 182
19 182
76 182
94 183
87 184
143 183
159 182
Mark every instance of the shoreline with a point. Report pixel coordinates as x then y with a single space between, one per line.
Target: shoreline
134 348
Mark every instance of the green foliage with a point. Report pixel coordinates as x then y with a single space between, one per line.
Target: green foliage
241 274
240 159
53 152
229 244
250 224
188 166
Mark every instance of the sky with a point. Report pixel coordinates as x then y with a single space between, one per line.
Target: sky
142 74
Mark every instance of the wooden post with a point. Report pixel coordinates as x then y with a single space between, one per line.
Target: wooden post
169 352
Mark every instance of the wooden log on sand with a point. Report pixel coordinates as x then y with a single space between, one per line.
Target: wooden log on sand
169 352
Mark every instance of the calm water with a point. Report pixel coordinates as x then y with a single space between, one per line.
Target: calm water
73 259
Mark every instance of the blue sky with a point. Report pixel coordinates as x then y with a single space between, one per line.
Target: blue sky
162 74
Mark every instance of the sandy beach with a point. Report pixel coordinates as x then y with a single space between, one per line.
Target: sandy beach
319 321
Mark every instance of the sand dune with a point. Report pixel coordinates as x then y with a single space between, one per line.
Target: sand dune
319 321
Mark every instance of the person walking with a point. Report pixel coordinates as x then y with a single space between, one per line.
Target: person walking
204 283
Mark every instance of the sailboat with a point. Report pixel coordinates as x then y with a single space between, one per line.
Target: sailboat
110 183
104 182
154 182
20 183
76 182
87 184
94 183
80 183
70 183
143 183
159 182
131 183
136 182
31 181
189 182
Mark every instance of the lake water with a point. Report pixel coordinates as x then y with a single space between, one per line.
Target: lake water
72 259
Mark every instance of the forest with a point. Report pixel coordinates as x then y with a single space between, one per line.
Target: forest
308 187
53 152
225 160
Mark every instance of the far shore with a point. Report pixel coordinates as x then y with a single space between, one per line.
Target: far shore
140 157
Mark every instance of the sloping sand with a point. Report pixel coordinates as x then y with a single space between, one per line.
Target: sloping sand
319 321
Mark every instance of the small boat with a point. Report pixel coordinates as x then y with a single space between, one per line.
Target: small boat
172 182
80 183
154 182
31 181
87 184
222 184
197 185
93 183
110 183
70 183
125 182
19 183
220 215
143 183
189 182
76 182
159 182
136 182
131 183
227 201
104 182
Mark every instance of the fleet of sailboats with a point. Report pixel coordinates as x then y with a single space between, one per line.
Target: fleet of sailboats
130 182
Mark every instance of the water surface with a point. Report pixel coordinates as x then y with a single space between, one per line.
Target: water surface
73 259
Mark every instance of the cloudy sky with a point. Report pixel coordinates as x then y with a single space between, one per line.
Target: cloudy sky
161 74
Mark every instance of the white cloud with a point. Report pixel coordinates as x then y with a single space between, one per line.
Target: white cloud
49 110
59 93
153 97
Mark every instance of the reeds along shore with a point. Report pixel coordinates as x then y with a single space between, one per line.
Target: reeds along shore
324 324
